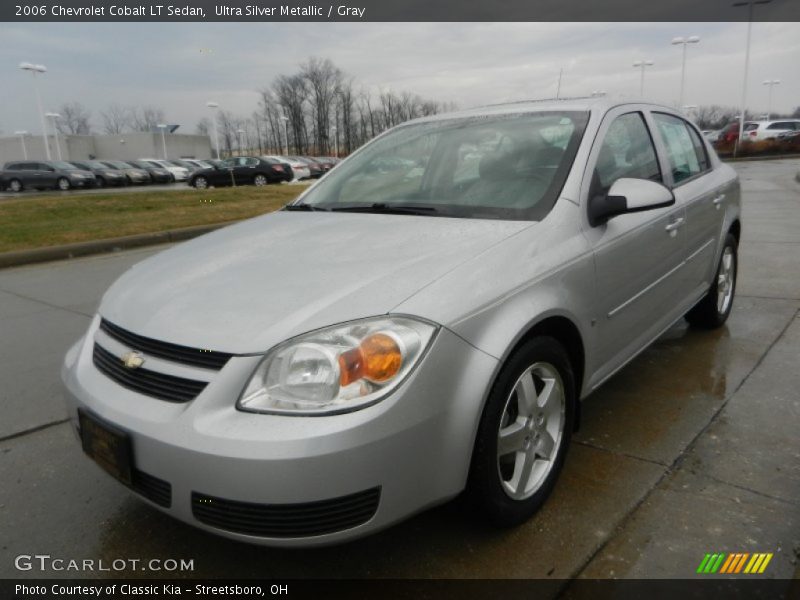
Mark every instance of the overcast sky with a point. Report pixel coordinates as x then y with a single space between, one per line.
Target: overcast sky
179 66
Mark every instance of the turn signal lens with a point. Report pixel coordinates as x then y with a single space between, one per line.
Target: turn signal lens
382 357
378 358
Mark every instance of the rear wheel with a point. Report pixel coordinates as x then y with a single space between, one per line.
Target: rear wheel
260 180
200 182
524 433
15 185
63 184
714 308
101 182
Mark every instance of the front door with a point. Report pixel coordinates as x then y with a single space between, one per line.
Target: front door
638 256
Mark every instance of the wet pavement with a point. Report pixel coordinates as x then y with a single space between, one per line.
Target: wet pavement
692 448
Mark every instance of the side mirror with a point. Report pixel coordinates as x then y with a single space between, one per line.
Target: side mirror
628 195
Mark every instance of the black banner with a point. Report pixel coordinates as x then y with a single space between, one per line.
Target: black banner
408 10
744 588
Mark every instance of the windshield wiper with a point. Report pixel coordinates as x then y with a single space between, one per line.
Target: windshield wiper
302 206
390 209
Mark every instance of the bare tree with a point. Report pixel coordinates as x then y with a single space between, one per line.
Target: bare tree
291 92
146 118
74 119
203 126
324 83
116 119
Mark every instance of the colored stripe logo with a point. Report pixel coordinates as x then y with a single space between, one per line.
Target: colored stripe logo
733 563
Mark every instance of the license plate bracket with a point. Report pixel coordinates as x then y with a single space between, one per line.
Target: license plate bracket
109 446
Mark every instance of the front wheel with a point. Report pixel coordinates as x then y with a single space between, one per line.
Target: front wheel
15 185
524 433
714 308
63 184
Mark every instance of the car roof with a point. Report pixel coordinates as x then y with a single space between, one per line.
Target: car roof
582 104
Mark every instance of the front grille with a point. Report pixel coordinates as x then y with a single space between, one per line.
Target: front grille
195 357
286 520
150 383
154 489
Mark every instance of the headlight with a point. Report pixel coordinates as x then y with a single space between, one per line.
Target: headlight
337 369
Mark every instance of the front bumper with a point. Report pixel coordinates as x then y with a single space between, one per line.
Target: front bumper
414 447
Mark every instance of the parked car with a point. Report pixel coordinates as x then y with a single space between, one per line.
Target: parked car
729 134
45 174
157 173
315 169
300 169
243 170
196 164
384 343
326 162
103 173
712 135
178 173
757 131
135 175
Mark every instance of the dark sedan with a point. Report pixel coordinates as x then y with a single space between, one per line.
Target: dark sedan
317 170
157 174
103 173
45 174
242 170
135 175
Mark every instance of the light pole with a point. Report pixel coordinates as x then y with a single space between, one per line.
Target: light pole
558 85
22 135
239 134
749 4
642 65
214 106
163 128
285 120
684 41
771 83
335 140
37 69
55 116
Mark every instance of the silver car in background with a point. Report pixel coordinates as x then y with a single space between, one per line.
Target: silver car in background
421 322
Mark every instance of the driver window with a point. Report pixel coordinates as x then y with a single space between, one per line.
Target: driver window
627 151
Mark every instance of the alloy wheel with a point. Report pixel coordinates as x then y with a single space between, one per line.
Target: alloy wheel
260 180
531 430
201 183
725 280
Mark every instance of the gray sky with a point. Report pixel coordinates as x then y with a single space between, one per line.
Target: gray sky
162 64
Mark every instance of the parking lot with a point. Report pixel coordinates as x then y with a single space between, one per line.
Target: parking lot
692 448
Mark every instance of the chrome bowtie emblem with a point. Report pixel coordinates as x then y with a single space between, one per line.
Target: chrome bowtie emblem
132 360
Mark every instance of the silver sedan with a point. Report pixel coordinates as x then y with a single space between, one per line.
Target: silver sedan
422 321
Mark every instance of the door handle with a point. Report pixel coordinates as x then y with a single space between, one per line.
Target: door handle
674 225
718 201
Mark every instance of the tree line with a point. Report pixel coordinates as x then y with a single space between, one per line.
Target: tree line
318 110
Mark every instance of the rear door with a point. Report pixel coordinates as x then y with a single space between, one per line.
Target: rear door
637 255
700 190
245 170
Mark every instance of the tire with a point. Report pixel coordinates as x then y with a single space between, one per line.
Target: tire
260 180
714 308
63 184
200 183
495 484
15 185
101 183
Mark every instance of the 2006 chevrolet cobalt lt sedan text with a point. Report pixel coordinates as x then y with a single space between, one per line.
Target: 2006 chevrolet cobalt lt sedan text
396 336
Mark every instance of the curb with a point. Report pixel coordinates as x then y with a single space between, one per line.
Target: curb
27 257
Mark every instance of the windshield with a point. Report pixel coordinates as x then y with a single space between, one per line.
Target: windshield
95 164
64 166
501 167
117 164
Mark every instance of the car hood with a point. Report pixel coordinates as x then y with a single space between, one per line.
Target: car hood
245 288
